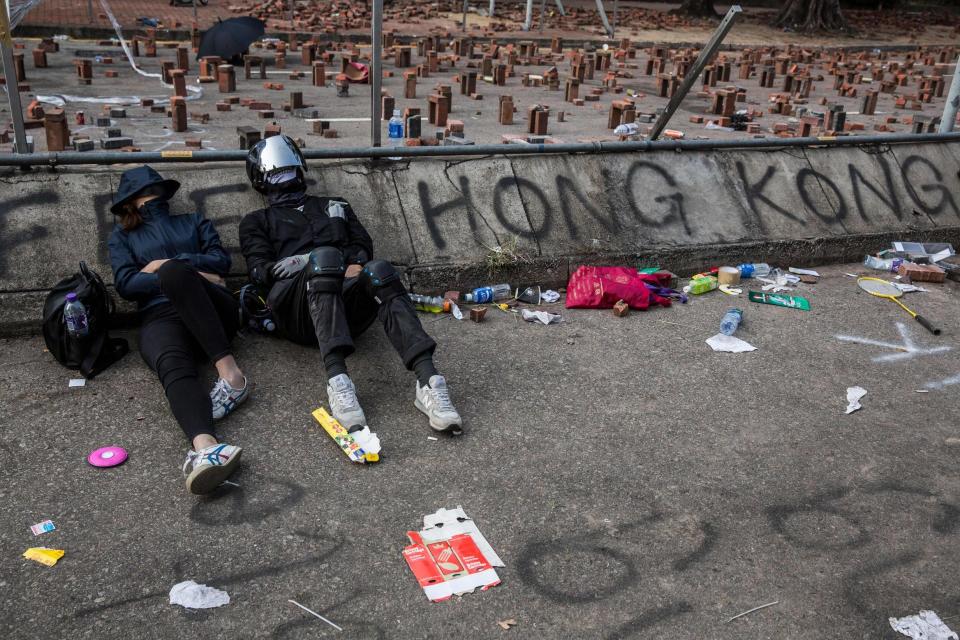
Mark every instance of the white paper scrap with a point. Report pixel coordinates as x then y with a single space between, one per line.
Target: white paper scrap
729 344
446 522
907 288
191 595
78 382
804 272
730 291
455 310
925 626
549 296
367 440
541 316
940 255
854 395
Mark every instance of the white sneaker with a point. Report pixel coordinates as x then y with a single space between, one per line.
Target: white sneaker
205 470
344 405
434 401
225 398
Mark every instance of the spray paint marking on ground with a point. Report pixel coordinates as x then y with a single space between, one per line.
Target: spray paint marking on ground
907 350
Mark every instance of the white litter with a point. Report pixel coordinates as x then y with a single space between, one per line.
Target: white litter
455 310
191 595
927 625
541 316
908 288
854 395
310 611
804 272
549 296
78 382
730 291
446 522
368 440
729 344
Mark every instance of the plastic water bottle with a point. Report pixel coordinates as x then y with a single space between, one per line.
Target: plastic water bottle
754 270
628 129
395 131
882 264
480 295
731 320
431 304
75 315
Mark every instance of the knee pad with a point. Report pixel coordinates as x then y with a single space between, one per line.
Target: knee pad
382 281
326 267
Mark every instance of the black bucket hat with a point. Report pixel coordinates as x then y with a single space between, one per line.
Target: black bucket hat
138 182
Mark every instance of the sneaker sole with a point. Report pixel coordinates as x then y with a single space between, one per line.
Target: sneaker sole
455 428
239 401
207 478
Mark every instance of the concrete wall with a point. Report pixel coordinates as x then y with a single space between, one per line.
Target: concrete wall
442 220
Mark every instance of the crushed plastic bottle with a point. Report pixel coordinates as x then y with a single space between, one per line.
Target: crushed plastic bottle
431 304
731 320
481 295
754 269
629 129
881 264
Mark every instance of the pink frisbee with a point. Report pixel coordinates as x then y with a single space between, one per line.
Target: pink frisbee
107 457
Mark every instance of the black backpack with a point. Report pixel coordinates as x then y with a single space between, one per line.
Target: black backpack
97 350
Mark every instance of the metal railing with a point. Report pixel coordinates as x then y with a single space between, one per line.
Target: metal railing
358 153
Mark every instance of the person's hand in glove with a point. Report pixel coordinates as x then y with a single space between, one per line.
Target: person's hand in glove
289 267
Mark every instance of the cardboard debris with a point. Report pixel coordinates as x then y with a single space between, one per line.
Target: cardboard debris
42 527
350 446
450 556
506 624
43 555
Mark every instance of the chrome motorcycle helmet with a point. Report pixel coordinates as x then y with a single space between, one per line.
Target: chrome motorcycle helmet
275 160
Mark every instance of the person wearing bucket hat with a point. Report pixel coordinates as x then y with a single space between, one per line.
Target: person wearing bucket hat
172 266
315 259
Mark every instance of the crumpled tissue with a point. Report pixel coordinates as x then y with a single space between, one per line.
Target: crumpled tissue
368 440
729 344
925 626
191 595
854 394
541 316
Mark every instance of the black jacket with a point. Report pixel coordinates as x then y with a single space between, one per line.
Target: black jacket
188 237
272 234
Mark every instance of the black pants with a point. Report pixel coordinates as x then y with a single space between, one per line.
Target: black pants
331 321
198 322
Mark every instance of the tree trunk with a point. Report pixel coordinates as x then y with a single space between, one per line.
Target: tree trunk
812 15
696 8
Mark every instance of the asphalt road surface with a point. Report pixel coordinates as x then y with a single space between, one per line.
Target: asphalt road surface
636 483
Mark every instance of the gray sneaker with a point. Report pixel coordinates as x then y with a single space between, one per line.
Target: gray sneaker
205 470
225 398
434 401
344 405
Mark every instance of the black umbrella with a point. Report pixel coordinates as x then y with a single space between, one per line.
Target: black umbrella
232 37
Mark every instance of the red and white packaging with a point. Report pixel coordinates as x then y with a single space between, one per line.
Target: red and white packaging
452 566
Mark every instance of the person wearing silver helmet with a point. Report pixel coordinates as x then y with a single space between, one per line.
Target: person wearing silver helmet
325 287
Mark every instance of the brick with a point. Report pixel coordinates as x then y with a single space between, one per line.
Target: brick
477 313
193 143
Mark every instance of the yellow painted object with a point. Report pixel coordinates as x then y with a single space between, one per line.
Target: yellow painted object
343 439
43 555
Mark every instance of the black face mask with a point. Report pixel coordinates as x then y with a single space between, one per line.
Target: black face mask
155 207
292 194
